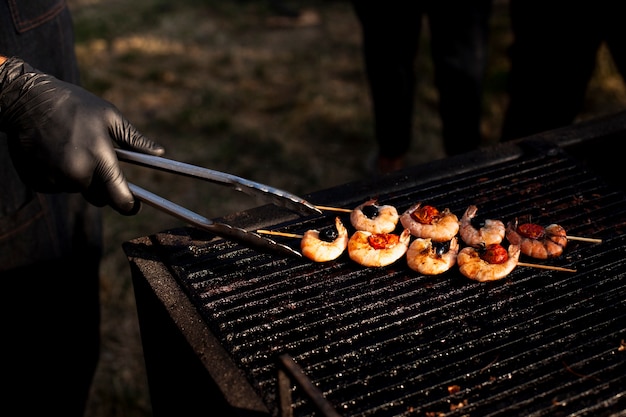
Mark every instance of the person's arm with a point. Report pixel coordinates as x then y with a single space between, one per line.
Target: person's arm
61 136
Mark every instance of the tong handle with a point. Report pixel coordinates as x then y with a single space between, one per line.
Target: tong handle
275 195
249 239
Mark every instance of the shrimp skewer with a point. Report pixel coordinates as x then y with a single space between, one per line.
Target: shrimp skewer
536 241
430 258
482 234
377 249
490 264
427 222
374 218
326 245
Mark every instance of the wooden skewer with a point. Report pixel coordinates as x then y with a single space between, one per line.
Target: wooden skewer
343 210
584 239
556 268
285 234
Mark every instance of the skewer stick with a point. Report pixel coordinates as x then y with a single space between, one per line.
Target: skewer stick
294 235
584 239
285 234
556 268
343 210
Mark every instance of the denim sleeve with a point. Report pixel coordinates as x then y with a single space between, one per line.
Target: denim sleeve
41 33
29 14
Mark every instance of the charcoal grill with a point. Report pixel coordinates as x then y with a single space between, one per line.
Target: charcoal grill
216 317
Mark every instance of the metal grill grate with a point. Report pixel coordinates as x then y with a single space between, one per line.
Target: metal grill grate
391 342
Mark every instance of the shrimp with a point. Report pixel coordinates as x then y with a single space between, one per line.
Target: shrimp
489 264
482 234
377 249
536 241
427 222
326 245
373 218
430 258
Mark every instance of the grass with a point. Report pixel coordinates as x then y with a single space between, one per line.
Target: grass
220 86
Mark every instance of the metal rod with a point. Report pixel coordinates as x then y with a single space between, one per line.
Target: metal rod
293 370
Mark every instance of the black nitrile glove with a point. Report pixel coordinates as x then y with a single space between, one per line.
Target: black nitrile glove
61 137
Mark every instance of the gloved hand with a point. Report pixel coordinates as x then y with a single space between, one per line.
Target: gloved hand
61 137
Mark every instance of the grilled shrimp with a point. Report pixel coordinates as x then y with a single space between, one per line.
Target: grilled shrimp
536 241
377 249
326 245
427 222
430 258
482 234
489 264
373 218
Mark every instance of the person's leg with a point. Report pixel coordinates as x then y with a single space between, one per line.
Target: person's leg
459 39
552 59
390 40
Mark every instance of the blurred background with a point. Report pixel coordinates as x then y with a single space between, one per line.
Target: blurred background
248 88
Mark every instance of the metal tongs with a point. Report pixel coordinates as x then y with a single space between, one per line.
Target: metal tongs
245 237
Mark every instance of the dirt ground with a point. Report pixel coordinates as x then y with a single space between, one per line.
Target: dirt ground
233 86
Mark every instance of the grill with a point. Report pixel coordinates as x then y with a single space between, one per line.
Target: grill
217 317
